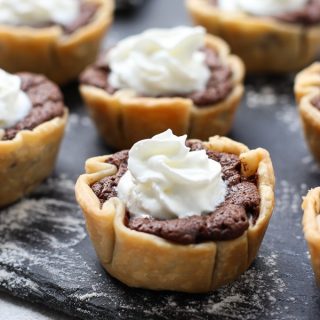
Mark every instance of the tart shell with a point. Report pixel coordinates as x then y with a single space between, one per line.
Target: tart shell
123 118
29 158
49 51
310 222
265 44
307 87
147 261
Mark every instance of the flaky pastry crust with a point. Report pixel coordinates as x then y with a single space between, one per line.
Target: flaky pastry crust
49 51
311 228
123 118
307 87
29 158
265 44
144 260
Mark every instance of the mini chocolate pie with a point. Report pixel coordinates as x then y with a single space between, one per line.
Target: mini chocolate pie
274 44
311 228
59 52
197 253
123 116
28 149
307 91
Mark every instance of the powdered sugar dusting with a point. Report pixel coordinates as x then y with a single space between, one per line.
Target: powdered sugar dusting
42 231
76 120
289 197
288 115
311 165
265 97
90 295
253 295
29 212
277 100
10 279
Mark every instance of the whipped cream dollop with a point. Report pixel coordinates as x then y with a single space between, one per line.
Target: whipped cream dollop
35 12
262 7
166 180
160 62
14 103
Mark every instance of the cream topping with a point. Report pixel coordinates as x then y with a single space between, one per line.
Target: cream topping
166 180
33 12
160 62
262 7
14 103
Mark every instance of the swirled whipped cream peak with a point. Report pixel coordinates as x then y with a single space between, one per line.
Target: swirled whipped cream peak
160 62
35 12
14 103
166 180
262 7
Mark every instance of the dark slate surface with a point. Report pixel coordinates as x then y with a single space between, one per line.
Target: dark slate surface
46 257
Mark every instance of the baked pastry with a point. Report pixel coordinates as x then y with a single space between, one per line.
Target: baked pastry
166 217
310 222
307 91
147 84
57 38
270 36
32 122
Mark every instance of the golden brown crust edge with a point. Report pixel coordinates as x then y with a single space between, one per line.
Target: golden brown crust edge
143 260
265 45
29 158
310 223
47 51
307 81
307 86
123 119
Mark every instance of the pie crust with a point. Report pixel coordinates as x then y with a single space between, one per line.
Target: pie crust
49 51
123 118
29 158
147 261
265 44
311 228
307 86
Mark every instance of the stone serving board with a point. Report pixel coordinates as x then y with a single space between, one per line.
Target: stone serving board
46 256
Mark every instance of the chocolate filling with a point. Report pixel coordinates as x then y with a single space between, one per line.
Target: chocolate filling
308 15
229 221
106 188
218 87
86 14
47 103
316 102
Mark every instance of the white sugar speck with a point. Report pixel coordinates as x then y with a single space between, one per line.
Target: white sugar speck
10 279
288 115
90 295
289 197
265 97
76 120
